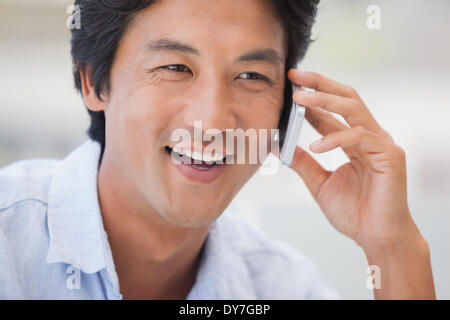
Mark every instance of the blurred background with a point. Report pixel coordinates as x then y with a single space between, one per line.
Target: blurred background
402 71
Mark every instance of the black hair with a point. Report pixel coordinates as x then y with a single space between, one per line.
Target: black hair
103 23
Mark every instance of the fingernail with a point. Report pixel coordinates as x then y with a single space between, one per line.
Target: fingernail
315 143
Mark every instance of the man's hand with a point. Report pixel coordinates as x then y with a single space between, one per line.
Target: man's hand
366 198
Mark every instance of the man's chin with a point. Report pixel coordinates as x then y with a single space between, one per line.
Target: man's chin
192 219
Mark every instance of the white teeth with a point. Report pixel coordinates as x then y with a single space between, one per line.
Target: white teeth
197 156
207 157
176 150
215 157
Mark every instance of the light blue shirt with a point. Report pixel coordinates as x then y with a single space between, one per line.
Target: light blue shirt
53 244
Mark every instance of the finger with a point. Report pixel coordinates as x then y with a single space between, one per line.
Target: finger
319 82
376 152
358 136
323 121
312 173
352 110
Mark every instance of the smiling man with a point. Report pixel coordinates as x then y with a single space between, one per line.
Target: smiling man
119 219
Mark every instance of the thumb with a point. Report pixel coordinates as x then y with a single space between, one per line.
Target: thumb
312 173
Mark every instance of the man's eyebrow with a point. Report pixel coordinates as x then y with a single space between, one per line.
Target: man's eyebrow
266 55
271 56
165 44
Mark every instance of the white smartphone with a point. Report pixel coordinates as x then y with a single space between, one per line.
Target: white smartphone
296 117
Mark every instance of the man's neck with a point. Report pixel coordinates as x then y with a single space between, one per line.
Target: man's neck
154 259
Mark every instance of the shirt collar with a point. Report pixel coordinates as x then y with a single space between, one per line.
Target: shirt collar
74 221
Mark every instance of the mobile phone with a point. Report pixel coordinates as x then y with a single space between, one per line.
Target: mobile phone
293 128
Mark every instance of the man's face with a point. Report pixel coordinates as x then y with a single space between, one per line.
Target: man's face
157 87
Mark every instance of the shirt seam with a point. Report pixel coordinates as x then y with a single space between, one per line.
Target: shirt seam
20 202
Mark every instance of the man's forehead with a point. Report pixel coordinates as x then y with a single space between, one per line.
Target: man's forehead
260 26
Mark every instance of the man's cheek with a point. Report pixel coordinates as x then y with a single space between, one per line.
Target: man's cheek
134 138
240 174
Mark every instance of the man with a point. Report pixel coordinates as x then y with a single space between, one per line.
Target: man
119 219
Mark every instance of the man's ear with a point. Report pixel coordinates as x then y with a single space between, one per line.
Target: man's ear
90 98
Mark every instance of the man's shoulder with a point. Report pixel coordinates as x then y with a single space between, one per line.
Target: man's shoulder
277 269
23 229
25 180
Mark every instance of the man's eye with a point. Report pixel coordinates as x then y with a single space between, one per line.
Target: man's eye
176 67
253 76
174 72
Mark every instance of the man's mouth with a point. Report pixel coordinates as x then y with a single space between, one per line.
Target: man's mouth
196 166
196 160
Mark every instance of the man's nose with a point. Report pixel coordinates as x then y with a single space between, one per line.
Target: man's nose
211 103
